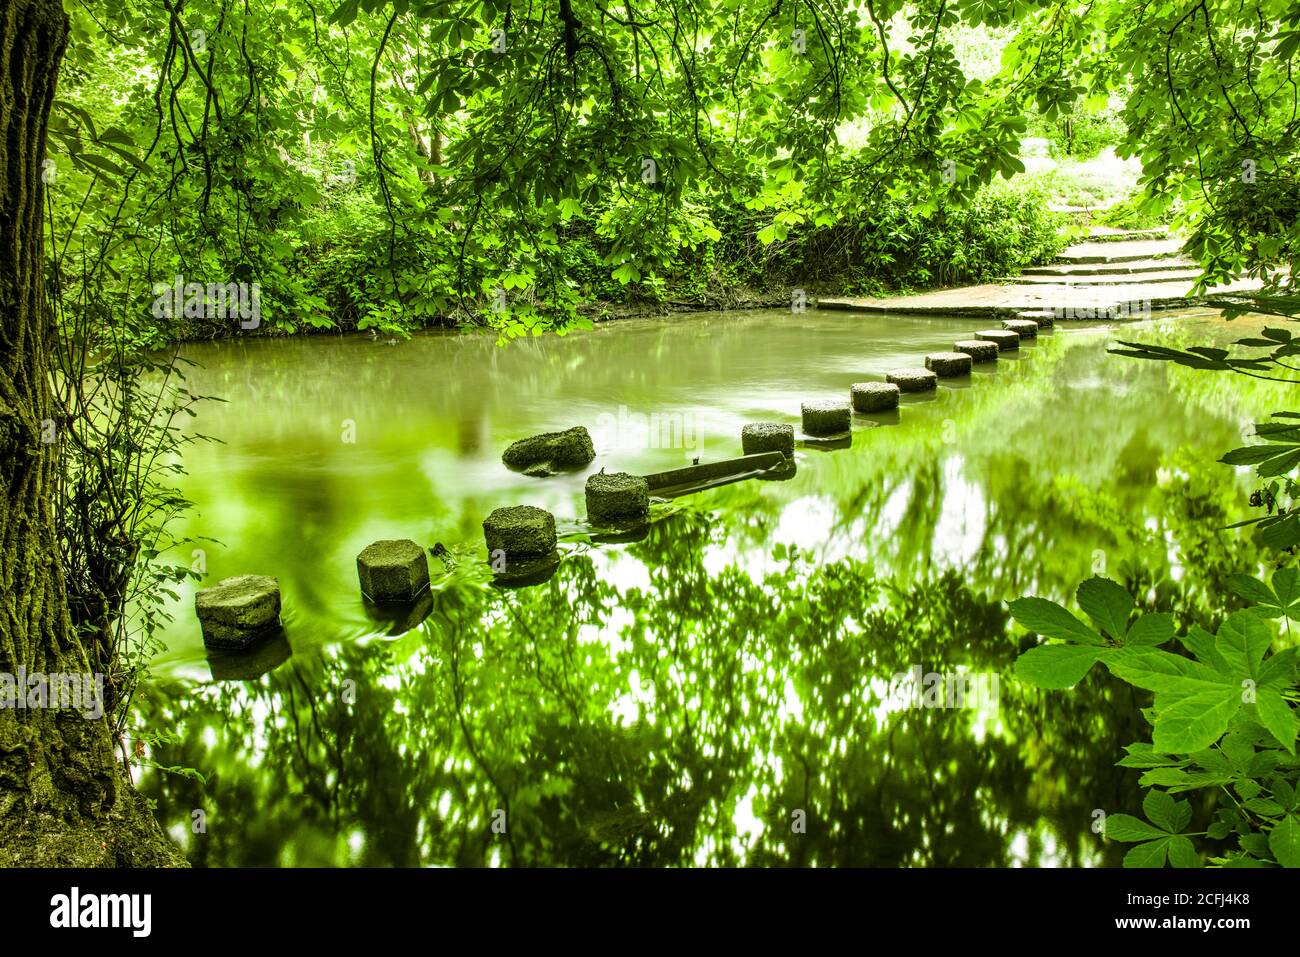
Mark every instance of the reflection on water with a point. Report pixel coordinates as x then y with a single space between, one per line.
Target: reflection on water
718 689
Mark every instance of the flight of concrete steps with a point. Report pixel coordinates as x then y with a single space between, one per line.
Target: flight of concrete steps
1113 274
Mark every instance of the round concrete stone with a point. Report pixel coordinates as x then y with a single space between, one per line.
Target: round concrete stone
977 349
1044 317
767 437
874 396
1024 328
540 454
913 380
237 610
519 530
393 570
948 365
1006 339
617 496
825 417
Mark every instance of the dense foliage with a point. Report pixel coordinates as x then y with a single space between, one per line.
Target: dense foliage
385 165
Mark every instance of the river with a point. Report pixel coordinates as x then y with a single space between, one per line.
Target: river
717 692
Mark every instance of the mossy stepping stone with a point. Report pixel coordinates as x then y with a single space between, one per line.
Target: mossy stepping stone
767 437
977 349
617 496
1005 339
393 570
236 611
874 396
826 417
519 530
948 365
551 451
913 380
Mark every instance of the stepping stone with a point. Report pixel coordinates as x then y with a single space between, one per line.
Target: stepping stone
874 396
1024 328
519 530
393 570
913 380
1044 317
236 611
1006 339
977 349
617 495
767 437
544 454
948 365
826 417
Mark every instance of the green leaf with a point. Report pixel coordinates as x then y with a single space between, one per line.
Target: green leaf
1286 585
1242 642
1196 721
1165 673
1201 643
1166 813
1252 589
1151 630
1182 853
1284 842
1277 716
1151 854
344 13
1142 755
1056 666
1050 620
1126 829
1107 604
1278 671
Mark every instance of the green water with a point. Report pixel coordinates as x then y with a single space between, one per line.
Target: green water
717 691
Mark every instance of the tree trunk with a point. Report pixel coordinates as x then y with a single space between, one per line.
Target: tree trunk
64 799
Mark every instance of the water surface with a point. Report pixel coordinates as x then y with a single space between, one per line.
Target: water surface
714 692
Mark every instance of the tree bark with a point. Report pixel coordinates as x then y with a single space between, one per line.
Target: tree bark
64 798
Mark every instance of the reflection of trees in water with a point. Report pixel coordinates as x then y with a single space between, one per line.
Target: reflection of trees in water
691 718
508 702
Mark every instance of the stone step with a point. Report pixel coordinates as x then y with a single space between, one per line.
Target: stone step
1111 269
1001 301
1082 279
1128 251
1111 234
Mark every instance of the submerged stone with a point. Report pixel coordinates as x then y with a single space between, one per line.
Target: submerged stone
826 417
977 349
1024 328
767 437
1005 339
874 396
617 496
519 530
948 365
392 570
546 453
237 611
913 380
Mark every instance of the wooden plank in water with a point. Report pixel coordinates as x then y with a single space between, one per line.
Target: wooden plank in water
695 478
